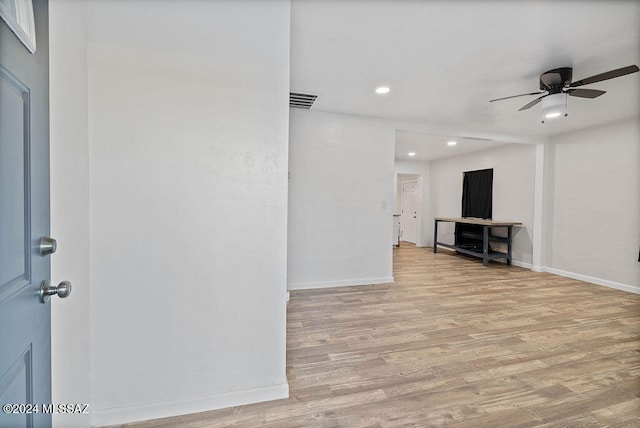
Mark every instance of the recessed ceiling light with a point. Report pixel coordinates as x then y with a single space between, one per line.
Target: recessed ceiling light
552 115
411 153
381 90
451 143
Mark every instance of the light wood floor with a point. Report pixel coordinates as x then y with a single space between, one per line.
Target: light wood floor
453 344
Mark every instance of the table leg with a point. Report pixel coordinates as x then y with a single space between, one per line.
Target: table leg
509 245
435 237
485 245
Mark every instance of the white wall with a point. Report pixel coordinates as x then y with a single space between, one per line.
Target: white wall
420 169
340 200
69 148
513 191
188 123
595 224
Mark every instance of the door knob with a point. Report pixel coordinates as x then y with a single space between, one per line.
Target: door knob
47 246
47 290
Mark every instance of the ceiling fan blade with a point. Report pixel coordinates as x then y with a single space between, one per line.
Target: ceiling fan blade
532 103
585 93
515 96
606 76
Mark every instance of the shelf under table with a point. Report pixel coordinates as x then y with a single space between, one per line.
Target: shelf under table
485 237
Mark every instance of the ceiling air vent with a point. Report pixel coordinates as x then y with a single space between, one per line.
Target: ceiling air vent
298 100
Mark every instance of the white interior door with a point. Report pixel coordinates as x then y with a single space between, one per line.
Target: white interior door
409 213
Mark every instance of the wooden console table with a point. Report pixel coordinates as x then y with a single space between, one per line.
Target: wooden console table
485 237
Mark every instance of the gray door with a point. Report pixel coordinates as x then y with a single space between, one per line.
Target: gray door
25 322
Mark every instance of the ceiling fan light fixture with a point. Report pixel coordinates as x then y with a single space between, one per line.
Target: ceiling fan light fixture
556 84
554 106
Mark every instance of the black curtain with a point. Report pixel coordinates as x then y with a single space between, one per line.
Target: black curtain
477 191
477 201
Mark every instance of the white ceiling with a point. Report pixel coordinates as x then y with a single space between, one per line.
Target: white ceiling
429 146
444 61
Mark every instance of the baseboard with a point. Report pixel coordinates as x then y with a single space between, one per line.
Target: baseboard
597 281
513 262
184 406
580 277
522 264
339 283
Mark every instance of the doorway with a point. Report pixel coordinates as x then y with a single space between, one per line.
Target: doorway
409 211
408 203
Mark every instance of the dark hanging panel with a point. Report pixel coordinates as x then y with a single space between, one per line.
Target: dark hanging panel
477 201
477 191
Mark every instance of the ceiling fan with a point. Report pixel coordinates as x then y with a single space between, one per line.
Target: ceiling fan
557 82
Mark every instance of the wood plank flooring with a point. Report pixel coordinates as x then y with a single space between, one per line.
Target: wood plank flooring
453 344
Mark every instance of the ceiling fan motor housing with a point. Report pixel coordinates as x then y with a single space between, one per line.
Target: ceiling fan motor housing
556 79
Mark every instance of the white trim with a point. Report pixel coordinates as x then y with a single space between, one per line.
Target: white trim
183 406
578 276
340 283
539 206
597 281
513 262
522 264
